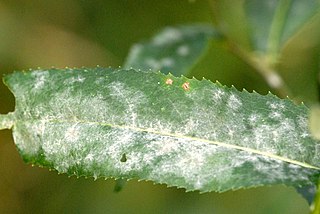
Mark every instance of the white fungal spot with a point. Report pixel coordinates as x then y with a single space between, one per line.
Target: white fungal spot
159 64
303 122
305 134
275 115
130 100
169 36
72 80
276 105
218 94
40 78
234 102
198 184
288 126
153 63
231 132
89 157
72 134
167 62
136 49
253 118
168 147
183 50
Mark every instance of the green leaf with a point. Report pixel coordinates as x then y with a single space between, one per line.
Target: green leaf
274 22
147 125
175 49
308 193
314 122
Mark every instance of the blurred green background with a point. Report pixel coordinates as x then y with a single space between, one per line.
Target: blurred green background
76 33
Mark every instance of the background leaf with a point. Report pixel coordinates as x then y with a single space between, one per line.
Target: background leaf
274 22
308 192
314 122
146 125
175 49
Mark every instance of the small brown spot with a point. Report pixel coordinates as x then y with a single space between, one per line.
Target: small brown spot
186 86
169 81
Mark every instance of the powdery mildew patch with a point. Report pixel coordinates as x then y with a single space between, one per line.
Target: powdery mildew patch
170 35
183 50
175 49
92 123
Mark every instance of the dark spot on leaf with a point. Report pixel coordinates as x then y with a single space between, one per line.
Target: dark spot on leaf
248 126
123 158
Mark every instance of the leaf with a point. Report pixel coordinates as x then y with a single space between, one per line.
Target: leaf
314 122
308 193
175 49
147 125
274 22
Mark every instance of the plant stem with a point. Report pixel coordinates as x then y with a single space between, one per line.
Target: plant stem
315 207
6 121
265 69
276 30
263 65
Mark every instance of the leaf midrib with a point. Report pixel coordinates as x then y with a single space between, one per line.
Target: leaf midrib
161 133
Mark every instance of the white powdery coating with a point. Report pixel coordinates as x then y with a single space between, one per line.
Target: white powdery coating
234 102
197 163
153 63
72 133
75 79
65 105
218 94
27 141
250 130
279 105
136 50
254 119
276 115
169 36
128 97
95 145
183 50
167 62
41 78
156 65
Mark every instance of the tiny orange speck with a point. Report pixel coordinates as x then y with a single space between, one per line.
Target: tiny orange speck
169 81
186 86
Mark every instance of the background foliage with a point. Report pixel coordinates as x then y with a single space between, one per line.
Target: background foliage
86 33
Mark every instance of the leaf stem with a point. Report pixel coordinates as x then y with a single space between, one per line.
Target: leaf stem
6 121
264 65
276 30
315 207
271 76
